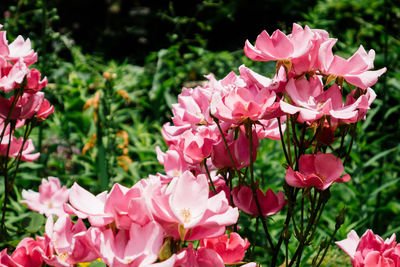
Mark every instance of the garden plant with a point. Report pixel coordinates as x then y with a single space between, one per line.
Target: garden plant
281 153
211 206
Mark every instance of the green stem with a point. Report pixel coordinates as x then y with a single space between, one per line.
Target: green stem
327 246
311 222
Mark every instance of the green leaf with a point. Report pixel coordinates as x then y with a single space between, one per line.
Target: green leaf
97 264
33 222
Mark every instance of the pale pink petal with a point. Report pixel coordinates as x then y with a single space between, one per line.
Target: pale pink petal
349 245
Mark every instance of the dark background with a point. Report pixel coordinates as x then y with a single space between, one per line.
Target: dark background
131 29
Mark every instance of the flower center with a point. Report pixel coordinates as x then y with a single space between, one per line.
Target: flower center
185 214
63 256
321 177
176 173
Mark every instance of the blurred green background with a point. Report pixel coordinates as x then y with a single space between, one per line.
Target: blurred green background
105 130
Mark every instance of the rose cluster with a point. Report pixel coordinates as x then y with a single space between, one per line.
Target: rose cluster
188 216
21 98
370 250
132 226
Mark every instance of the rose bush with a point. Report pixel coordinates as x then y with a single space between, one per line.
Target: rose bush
189 216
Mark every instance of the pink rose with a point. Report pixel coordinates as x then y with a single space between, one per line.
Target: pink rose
320 170
270 202
231 247
370 250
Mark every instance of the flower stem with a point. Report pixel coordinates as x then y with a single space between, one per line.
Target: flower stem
282 140
209 176
249 129
226 146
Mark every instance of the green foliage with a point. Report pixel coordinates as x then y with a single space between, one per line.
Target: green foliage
140 98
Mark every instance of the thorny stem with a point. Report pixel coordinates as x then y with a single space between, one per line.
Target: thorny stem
311 227
249 125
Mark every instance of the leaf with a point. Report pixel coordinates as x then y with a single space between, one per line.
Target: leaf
97 264
382 187
378 156
33 222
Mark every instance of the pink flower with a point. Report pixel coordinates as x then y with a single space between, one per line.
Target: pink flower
270 202
12 75
242 99
185 210
5 259
320 170
21 48
196 145
370 250
33 80
311 102
50 198
355 70
276 84
239 149
45 110
172 134
279 46
85 205
27 106
174 162
270 129
309 99
67 242
361 104
122 205
29 253
137 246
231 247
202 257
16 148
127 206
193 107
